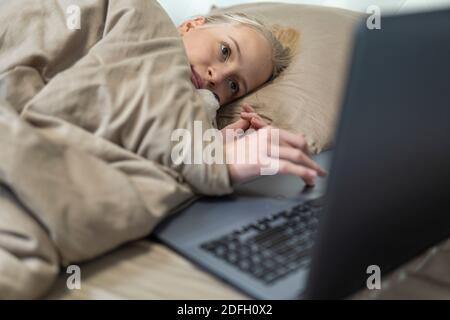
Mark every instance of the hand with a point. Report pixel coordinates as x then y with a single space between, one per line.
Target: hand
249 120
292 157
255 120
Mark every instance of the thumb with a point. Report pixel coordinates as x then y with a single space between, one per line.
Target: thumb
240 124
248 108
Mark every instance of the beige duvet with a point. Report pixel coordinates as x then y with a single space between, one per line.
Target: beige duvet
85 123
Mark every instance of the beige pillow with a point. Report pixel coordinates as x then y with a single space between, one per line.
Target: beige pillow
306 96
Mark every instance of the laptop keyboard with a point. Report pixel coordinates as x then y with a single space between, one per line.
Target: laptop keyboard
273 247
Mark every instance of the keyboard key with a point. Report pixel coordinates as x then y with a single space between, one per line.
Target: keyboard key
251 232
244 264
280 260
258 271
268 264
256 259
220 251
277 222
288 213
232 257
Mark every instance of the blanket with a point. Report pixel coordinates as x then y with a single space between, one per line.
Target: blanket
86 116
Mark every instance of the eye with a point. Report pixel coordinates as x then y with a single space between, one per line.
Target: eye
234 86
225 51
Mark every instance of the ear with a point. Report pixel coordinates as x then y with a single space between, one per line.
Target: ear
190 24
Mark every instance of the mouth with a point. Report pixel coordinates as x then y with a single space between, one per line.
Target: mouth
196 79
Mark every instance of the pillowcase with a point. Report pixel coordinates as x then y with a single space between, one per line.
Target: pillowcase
305 98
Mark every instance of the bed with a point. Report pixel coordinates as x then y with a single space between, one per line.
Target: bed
83 175
148 270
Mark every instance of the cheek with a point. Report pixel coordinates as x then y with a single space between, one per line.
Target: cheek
200 49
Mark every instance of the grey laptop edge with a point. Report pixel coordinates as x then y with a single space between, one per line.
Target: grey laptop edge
387 196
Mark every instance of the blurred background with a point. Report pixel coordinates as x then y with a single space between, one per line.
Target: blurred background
179 10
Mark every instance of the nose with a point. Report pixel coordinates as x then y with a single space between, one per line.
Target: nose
215 77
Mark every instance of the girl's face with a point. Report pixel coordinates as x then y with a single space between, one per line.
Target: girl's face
230 60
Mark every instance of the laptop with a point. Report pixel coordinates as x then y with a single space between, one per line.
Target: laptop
386 198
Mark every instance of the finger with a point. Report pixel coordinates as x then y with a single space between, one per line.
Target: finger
288 167
257 123
239 124
248 108
255 120
299 157
275 133
247 115
295 140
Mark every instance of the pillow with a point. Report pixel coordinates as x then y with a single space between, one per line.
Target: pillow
305 98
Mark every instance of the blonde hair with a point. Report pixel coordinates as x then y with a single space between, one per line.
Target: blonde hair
283 40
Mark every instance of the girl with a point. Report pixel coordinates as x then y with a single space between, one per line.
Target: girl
233 54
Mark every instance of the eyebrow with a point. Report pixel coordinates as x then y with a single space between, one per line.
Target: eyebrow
240 57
